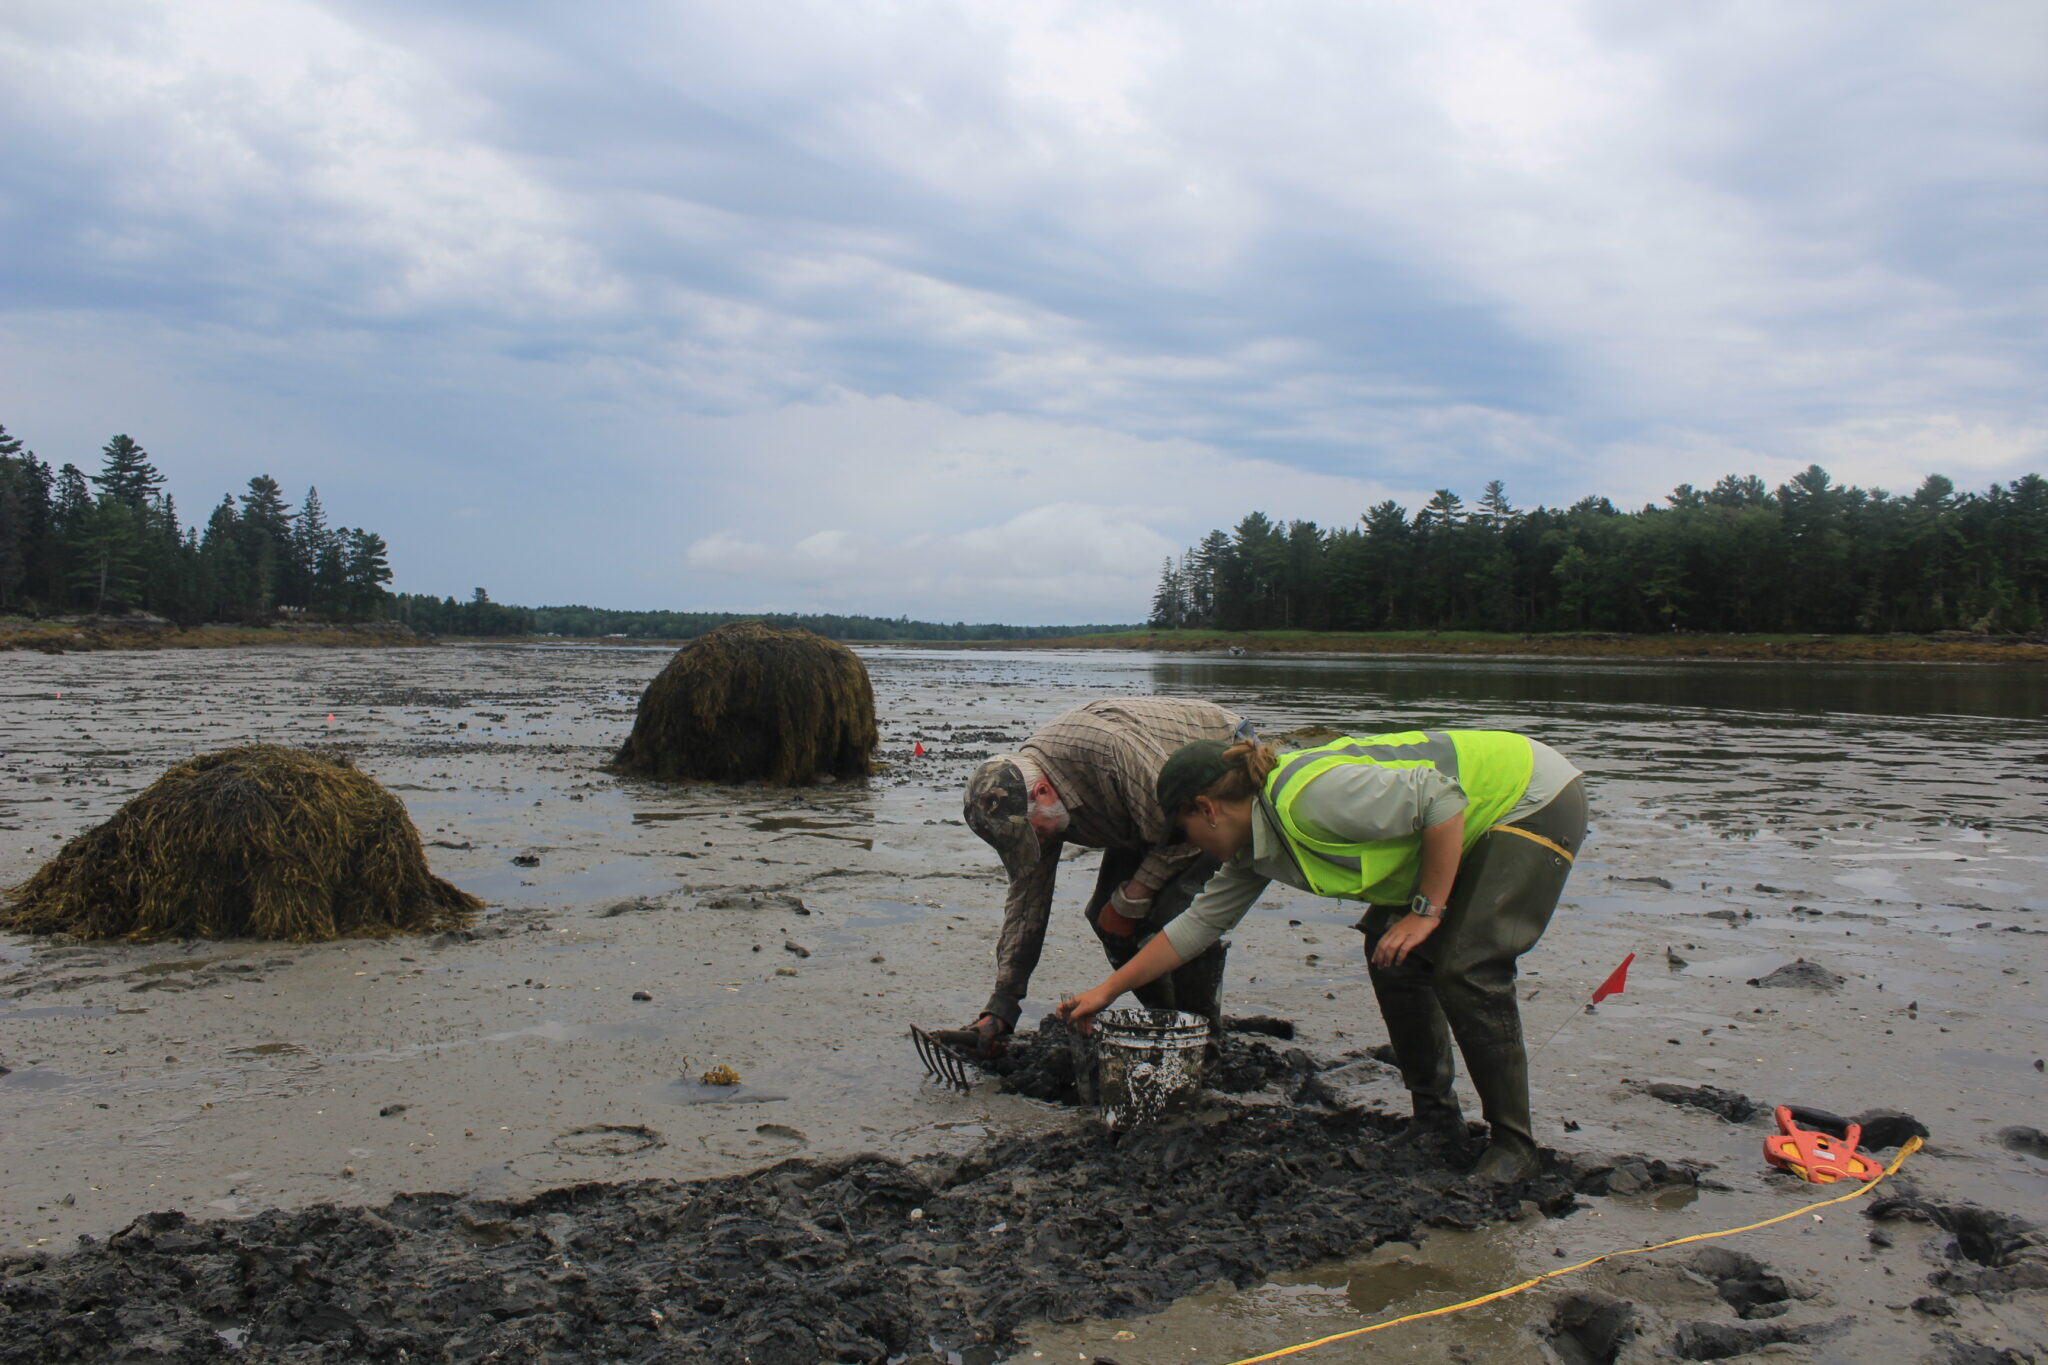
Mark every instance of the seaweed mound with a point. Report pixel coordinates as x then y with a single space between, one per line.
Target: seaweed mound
751 702
255 842
859 1258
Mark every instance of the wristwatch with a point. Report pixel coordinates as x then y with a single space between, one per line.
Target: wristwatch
1421 906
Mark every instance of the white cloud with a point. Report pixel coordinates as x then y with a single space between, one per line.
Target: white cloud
854 299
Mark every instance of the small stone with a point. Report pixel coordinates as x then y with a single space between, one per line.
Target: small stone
642 995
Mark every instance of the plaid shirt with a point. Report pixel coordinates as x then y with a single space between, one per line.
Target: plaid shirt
1103 759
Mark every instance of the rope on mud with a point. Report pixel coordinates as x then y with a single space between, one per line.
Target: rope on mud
1912 1145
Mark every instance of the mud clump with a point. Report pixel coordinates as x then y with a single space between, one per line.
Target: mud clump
1986 1252
1591 1329
750 702
1800 975
859 1259
1744 1283
1883 1128
1721 1340
256 842
2022 1138
1729 1104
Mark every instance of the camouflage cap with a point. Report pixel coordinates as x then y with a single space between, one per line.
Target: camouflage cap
1191 770
997 806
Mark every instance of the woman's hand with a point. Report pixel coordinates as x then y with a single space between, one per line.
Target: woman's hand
1080 1010
1401 939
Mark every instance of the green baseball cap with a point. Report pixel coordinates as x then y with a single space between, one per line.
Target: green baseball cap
1192 770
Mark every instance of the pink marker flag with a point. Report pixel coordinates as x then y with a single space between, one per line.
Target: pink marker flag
1617 981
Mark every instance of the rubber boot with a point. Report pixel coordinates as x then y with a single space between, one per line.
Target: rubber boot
1195 986
1500 1073
1437 1118
1416 1027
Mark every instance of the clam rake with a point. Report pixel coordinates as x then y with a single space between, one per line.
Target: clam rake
942 1061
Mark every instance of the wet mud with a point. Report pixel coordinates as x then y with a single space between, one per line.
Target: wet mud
1882 824
861 1259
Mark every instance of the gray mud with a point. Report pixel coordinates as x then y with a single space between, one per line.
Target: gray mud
857 1259
1880 822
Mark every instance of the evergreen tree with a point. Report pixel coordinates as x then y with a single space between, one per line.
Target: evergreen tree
25 546
366 568
1169 601
314 546
127 476
265 533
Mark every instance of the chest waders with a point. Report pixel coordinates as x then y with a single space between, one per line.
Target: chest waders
1460 981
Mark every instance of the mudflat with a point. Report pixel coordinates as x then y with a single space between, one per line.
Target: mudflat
1877 830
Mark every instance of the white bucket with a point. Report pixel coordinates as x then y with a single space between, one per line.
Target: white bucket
1150 1063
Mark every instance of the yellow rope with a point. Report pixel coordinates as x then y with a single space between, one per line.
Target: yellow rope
1912 1146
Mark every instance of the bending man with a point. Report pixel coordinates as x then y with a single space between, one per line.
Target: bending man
1090 777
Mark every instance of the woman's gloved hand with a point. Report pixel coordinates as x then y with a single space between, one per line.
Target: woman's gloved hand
1080 1010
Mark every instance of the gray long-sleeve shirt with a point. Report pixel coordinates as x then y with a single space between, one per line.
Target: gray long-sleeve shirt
1353 803
1103 758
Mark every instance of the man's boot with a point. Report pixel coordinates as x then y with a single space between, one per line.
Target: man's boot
1437 1118
1195 986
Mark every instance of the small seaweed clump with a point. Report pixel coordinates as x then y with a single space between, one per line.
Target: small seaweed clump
751 702
255 842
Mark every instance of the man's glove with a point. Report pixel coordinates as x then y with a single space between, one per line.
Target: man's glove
1124 913
985 1040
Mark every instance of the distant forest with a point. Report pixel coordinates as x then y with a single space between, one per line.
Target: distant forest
111 542
1811 555
481 616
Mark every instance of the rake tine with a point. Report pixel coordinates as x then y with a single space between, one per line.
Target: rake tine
942 1062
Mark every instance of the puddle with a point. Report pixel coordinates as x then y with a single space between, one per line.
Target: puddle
57 1011
696 1092
39 1078
1980 1060
598 885
187 964
810 826
607 1139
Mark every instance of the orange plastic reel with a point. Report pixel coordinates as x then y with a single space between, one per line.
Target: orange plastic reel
1815 1154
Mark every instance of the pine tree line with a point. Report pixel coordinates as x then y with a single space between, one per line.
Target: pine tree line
1811 555
481 616
111 542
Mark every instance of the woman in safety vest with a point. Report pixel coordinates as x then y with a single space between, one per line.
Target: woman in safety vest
1459 841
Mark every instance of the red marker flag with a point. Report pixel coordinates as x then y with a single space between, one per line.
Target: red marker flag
1616 983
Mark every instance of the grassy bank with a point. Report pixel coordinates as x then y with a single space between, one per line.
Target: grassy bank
66 637
1949 647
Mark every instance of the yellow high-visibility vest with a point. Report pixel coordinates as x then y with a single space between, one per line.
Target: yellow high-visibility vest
1492 766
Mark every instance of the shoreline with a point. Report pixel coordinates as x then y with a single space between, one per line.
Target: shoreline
100 635
83 636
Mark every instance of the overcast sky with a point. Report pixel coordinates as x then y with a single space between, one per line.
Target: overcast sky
982 309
